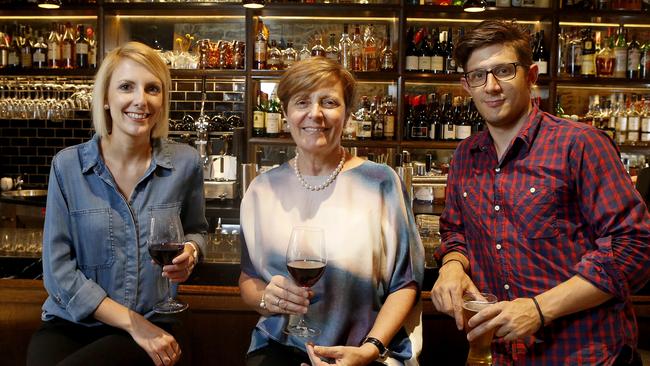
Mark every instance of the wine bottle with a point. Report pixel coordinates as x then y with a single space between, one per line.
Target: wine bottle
540 57
81 48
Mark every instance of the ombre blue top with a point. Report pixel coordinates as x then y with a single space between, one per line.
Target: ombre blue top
373 249
95 241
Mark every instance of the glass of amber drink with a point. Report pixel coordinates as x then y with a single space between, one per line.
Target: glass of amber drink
480 350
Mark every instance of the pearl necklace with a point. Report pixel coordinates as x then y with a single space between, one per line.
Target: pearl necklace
329 179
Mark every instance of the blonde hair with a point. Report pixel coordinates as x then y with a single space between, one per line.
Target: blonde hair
311 74
145 56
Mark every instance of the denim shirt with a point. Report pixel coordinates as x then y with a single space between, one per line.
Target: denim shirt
95 242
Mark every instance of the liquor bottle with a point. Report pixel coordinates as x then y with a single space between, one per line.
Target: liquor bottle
318 49
605 60
345 45
588 68
4 47
633 122
332 52
273 118
387 57
540 57
304 53
81 48
447 115
645 122
67 47
25 41
562 52
377 120
620 53
259 60
461 33
644 63
464 124
274 57
410 117
411 51
425 53
435 126
450 63
92 47
478 124
633 59
39 55
369 49
13 58
259 115
620 116
606 119
574 55
437 54
54 48
420 129
289 55
364 120
356 50
389 118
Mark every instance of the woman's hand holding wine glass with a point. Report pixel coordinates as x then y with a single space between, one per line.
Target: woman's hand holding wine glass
283 296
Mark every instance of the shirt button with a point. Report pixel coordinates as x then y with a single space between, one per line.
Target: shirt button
498 246
497 170
464 194
506 286
532 189
497 208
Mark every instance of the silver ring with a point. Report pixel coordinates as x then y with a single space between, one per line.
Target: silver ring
277 303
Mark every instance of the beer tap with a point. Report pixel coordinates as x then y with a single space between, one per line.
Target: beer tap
201 125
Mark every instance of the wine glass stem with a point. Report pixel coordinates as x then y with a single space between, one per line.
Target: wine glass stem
169 290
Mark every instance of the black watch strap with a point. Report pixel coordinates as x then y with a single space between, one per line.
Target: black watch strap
383 351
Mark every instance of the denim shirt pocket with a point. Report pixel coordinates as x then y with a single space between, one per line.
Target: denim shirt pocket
166 209
94 228
535 212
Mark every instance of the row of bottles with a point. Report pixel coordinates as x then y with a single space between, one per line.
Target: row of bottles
431 51
585 53
607 4
374 120
359 53
267 117
490 3
62 46
444 118
625 117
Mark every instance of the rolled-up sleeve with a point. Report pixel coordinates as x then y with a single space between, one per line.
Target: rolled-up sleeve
618 262
451 221
65 283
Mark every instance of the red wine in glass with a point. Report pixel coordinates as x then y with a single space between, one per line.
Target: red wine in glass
164 253
306 261
165 243
306 272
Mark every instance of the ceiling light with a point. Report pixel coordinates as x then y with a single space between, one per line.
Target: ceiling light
474 6
253 4
49 4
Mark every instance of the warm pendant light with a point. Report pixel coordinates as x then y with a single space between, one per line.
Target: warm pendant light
49 4
474 6
253 4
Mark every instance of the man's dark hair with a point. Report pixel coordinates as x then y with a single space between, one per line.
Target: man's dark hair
495 31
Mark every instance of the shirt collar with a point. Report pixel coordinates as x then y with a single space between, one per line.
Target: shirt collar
526 134
90 156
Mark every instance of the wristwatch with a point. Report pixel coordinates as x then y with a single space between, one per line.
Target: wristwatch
383 351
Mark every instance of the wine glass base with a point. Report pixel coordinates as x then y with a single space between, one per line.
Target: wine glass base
300 331
170 307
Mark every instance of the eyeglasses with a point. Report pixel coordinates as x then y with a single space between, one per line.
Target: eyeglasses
502 72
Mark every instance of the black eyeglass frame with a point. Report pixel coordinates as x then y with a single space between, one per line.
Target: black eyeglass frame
489 71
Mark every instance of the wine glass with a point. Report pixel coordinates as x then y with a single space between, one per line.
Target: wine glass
306 260
165 243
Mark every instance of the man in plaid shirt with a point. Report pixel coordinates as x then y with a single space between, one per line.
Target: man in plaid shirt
540 212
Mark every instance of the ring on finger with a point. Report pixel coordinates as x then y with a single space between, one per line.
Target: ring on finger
277 303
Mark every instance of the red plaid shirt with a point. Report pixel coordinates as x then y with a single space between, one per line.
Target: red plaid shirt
559 204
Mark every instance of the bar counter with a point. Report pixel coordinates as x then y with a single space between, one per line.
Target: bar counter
219 325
